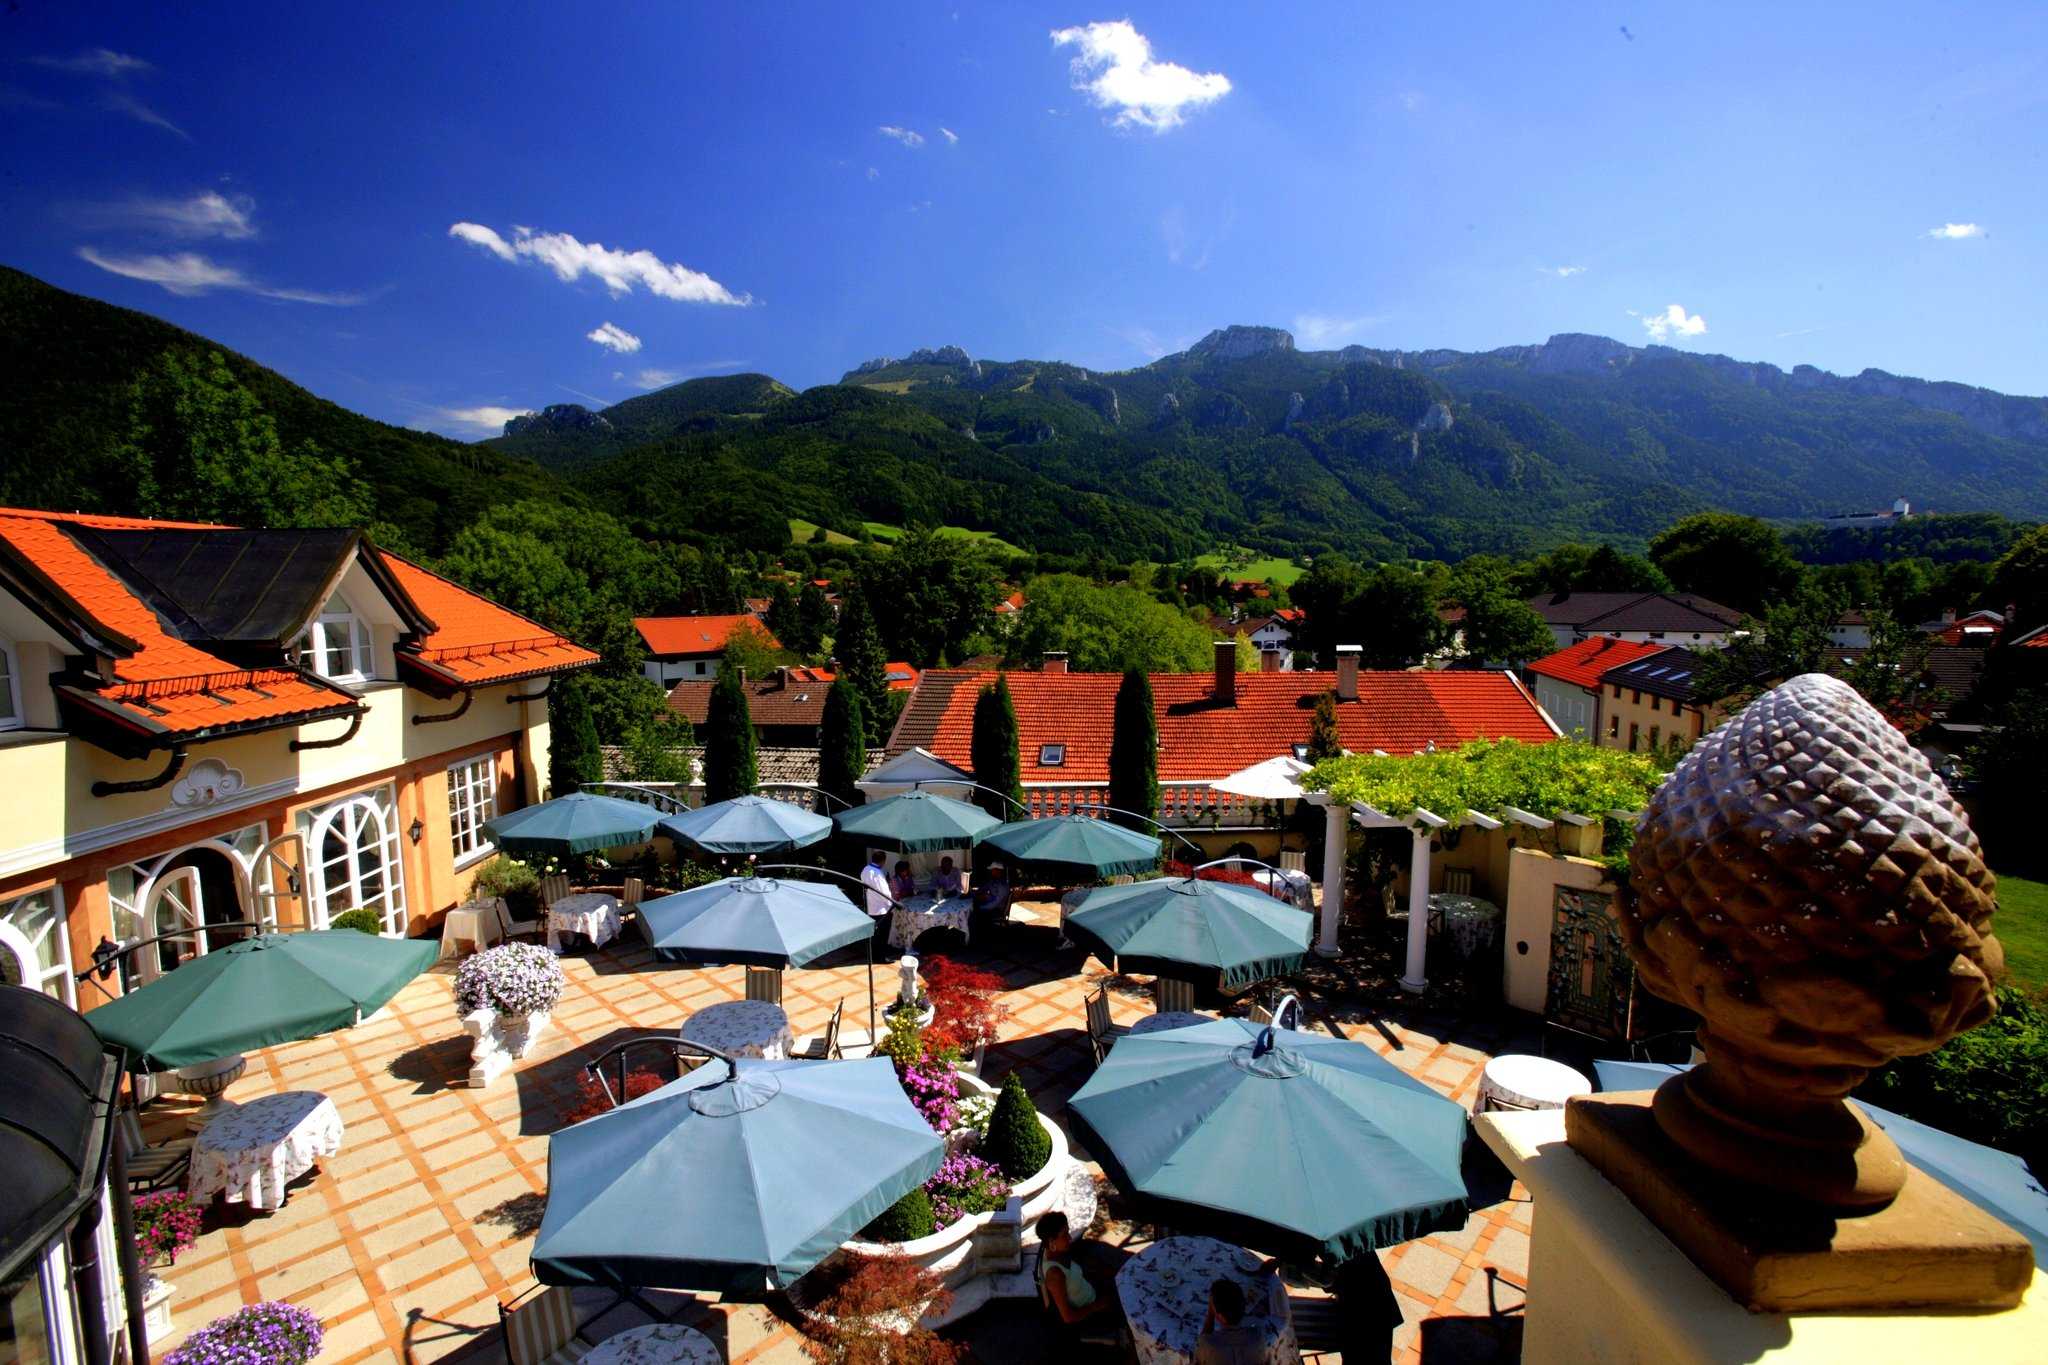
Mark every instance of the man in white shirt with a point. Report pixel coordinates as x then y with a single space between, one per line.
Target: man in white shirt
875 877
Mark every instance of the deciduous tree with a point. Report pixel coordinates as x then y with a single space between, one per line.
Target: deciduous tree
1738 561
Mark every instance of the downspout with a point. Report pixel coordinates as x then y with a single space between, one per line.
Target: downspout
355 724
468 696
541 695
147 784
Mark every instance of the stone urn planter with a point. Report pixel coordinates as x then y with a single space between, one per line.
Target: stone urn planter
505 997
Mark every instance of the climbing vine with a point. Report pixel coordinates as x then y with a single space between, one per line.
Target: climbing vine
1566 775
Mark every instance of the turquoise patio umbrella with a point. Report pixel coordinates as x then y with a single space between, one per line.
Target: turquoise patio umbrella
1070 849
1299 1145
747 825
582 822
1997 1182
917 822
1192 929
742 1175
273 988
759 921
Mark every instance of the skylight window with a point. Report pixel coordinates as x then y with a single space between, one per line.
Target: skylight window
1052 755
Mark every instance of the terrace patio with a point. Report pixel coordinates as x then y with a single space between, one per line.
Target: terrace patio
405 1242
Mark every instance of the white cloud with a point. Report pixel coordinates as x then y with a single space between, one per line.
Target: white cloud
188 273
122 102
1114 67
97 61
1955 232
907 136
1672 322
658 379
652 378
951 137
620 271
613 337
1563 272
478 421
1316 331
1411 100
205 214
874 172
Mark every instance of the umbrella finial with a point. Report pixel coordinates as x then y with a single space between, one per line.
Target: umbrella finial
1263 1044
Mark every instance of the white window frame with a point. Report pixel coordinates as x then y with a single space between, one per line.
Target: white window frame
353 816
359 643
15 941
10 664
472 799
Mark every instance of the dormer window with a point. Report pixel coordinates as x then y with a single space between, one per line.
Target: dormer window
337 644
1051 755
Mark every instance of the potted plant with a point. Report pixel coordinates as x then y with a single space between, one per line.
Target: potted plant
270 1332
505 996
515 881
966 1017
166 1223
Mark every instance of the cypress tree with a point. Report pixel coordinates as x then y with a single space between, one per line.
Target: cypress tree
842 744
993 749
814 621
729 768
1134 751
1323 740
858 651
574 755
782 619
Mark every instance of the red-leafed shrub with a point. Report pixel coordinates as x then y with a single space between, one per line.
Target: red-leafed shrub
1235 876
965 1014
591 1099
871 1317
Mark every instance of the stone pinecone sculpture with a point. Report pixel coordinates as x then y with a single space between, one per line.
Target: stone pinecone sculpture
1807 885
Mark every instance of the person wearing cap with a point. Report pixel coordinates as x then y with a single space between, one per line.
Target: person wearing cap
992 893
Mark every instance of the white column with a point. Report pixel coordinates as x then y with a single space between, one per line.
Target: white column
1334 829
1418 914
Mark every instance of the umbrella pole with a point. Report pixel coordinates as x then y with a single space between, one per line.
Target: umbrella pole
873 1041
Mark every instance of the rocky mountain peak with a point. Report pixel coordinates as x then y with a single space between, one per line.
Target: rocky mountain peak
1580 353
1241 343
558 417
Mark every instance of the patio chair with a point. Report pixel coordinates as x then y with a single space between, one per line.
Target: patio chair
821 1047
1102 1033
542 1331
553 889
1170 993
509 928
1318 1324
764 983
1258 1014
152 1168
629 902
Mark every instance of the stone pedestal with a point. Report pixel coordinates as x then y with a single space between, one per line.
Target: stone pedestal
497 1040
1606 1285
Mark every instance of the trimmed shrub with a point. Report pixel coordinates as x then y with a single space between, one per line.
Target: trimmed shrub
362 921
906 1220
1017 1142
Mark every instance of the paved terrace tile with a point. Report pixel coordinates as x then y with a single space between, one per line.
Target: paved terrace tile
406 1241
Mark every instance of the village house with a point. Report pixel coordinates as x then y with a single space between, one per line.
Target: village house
1274 635
1643 617
1567 683
786 707
223 725
1652 700
692 647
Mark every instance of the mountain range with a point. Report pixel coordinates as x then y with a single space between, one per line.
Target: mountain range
1242 439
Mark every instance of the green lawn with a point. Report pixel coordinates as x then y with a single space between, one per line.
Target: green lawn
801 531
1240 564
887 534
2022 927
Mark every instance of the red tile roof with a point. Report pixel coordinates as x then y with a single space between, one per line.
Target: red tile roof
1582 664
1014 602
1201 740
475 641
671 637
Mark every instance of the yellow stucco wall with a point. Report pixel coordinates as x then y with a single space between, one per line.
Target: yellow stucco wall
1635 708
1533 879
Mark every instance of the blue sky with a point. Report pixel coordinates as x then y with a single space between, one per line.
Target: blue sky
339 191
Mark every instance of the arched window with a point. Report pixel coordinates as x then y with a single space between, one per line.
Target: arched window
337 644
34 950
352 849
10 686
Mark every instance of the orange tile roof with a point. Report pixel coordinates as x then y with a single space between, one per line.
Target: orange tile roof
475 641
1201 740
1582 664
668 637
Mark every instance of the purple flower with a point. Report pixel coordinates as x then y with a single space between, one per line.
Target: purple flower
934 1088
965 1185
268 1333
512 978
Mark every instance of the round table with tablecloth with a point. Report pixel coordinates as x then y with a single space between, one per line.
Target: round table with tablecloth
1166 1019
1293 887
250 1153
1164 1291
917 914
1472 924
1519 1080
479 923
592 914
742 1028
665 1343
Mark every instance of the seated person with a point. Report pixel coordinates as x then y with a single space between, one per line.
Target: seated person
1225 1339
992 893
902 886
946 881
1063 1286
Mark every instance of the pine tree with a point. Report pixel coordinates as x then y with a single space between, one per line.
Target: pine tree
729 766
574 756
858 651
1323 739
1134 752
993 749
842 744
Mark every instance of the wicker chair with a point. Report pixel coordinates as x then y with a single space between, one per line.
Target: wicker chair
1102 1033
532 930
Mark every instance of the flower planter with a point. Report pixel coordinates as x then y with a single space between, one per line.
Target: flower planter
498 1040
156 1307
211 1080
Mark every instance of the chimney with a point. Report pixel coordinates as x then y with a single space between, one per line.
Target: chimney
1269 661
1347 672
1948 613
1226 672
1054 661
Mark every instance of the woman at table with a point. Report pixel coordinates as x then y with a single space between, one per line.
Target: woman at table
946 881
903 886
1066 1288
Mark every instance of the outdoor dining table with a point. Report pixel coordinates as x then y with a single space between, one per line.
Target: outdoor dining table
1164 1291
917 914
592 914
665 1343
1473 924
742 1028
478 923
253 1151
1293 887
1518 1080
1166 1019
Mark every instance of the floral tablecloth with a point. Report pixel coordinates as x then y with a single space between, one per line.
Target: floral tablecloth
667 1343
1473 924
1293 887
254 1150
1165 1019
1164 1291
592 914
742 1028
920 913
